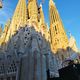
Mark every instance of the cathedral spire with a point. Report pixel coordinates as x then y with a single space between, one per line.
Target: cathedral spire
5 31
33 10
54 17
19 18
7 26
42 20
72 43
51 3
43 26
0 30
58 35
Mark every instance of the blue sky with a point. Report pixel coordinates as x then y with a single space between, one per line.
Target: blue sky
69 11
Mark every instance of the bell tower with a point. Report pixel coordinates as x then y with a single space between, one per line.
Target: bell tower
58 35
33 10
4 33
19 18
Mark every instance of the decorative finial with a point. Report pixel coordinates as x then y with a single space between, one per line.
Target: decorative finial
51 2
40 5
1 5
70 35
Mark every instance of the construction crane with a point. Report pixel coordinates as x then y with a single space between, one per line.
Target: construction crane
1 5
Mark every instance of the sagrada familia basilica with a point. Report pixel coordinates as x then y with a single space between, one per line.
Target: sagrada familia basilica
29 48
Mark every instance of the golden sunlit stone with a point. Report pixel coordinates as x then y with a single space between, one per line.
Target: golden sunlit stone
59 39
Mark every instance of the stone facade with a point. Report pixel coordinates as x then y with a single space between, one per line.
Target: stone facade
9 67
59 39
28 49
